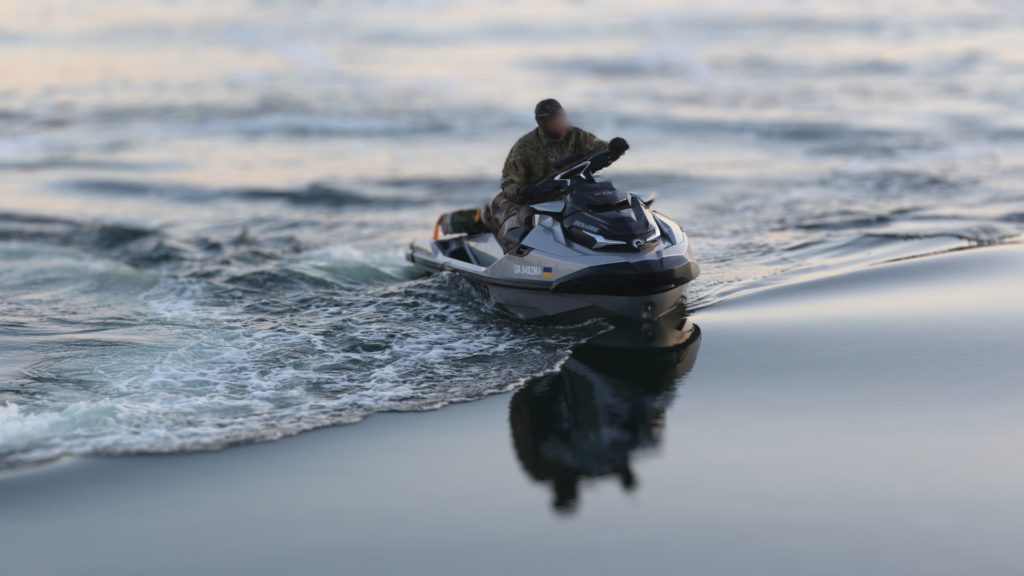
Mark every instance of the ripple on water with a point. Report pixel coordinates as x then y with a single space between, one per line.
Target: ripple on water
201 368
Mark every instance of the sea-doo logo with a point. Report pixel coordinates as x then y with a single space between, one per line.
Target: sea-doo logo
585 226
637 243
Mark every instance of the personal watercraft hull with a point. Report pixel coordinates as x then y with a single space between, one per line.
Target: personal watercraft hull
641 290
529 304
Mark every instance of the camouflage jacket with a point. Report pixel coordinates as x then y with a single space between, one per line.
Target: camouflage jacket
534 156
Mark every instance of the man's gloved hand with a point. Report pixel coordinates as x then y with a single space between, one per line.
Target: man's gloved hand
617 147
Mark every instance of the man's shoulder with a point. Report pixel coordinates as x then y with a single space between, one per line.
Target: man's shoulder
577 132
528 140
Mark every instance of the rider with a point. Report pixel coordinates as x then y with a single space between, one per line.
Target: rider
535 156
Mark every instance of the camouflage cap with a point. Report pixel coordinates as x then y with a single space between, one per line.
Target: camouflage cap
546 109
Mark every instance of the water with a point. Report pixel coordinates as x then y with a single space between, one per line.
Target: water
203 209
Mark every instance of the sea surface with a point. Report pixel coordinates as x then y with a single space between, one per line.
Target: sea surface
204 206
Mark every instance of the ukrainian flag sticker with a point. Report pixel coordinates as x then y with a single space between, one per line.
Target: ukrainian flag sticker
548 273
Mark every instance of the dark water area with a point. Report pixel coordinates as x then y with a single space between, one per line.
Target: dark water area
203 209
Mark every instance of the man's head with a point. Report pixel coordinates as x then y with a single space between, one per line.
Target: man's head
551 118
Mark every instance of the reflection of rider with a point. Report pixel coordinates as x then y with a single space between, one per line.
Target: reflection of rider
586 420
535 156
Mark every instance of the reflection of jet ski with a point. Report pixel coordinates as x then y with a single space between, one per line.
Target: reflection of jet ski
586 420
597 251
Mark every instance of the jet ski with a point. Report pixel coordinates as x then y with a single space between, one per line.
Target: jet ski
595 252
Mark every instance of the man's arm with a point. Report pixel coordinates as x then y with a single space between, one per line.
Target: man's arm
587 143
513 177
